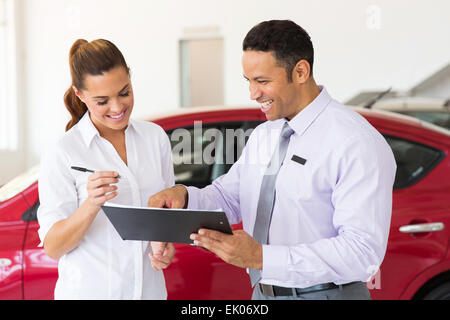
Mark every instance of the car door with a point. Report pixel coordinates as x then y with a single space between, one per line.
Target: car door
196 273
40 271
418 238
12 233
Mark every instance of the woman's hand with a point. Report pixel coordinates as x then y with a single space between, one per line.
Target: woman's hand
162 254
99 187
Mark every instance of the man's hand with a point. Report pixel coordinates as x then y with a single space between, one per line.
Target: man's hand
238 249
162 255
173 198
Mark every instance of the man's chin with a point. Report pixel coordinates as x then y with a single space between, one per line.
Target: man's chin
271 116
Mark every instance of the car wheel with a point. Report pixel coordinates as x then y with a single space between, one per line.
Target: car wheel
441 292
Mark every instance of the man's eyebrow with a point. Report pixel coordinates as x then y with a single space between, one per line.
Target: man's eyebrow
105 97
257 78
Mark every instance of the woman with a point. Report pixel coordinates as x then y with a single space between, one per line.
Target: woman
94 262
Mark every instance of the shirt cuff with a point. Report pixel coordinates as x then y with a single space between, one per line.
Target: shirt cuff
45 227
275 262
192 198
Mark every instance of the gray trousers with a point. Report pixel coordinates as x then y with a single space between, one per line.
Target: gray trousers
357 291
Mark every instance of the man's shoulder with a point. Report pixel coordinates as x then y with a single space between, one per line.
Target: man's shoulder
345 121
349 130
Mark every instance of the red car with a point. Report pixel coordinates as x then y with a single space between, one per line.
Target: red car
417 262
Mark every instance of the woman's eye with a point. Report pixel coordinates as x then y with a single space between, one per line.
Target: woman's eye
102 103
126 94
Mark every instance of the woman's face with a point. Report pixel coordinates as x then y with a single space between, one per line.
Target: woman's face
109 98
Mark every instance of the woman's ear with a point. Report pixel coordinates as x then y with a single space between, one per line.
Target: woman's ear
78 93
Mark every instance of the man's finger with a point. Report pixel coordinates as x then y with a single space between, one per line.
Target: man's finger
208 242
216 235
156 202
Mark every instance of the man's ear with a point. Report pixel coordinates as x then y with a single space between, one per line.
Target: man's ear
301 71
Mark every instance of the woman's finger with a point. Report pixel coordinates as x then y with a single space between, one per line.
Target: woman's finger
102 191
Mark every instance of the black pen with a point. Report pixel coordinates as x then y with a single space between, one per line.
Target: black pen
87 170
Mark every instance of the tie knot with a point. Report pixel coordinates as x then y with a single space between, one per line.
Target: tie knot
287 131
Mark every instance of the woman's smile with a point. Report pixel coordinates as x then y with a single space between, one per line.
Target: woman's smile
117 117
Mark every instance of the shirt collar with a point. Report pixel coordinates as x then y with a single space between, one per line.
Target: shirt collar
306 117
88 131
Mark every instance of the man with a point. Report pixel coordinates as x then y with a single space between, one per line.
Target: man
313 185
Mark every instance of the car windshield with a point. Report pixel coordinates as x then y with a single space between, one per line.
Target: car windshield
19 184
438 118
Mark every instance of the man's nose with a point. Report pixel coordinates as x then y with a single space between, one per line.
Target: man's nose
255 93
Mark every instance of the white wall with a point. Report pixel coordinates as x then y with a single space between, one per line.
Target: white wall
359 45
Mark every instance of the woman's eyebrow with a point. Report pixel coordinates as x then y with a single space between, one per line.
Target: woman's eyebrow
105 97
126 86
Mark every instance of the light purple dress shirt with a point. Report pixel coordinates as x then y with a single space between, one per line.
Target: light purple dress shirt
331 216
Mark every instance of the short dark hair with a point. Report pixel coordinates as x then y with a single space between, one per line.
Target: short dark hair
288 42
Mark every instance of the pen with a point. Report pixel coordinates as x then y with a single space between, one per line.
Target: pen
87 170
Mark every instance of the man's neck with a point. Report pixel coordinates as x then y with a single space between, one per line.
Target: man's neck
309 92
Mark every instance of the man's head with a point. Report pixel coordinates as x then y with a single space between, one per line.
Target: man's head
277 62
286 40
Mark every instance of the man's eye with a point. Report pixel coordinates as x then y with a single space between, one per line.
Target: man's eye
126 94
262 82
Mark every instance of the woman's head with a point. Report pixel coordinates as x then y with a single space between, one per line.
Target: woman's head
100 83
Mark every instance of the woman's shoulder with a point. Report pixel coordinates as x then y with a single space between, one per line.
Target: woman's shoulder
63 145
148 128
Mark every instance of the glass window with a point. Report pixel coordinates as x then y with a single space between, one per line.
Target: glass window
193 152
414 161
438 118
204 153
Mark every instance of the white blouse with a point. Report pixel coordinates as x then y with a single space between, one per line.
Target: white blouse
104 266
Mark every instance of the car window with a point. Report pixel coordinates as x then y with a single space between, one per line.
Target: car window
413 160
438 118
188 147
235 136
202 154
31 213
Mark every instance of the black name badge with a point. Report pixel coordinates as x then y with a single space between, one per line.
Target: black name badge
298 159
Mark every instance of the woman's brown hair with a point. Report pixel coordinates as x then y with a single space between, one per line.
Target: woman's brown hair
88 58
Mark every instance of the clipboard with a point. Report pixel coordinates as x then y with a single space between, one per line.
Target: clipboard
165 225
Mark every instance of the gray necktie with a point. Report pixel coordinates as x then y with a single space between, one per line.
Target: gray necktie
267 195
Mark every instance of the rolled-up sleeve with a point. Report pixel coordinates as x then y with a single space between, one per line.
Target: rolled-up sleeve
57 191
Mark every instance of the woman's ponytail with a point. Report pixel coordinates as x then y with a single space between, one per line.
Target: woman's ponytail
75 106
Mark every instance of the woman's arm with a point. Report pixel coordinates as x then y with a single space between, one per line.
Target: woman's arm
66 234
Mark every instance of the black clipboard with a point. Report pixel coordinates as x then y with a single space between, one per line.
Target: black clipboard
166 225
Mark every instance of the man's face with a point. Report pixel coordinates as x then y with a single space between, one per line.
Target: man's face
269 85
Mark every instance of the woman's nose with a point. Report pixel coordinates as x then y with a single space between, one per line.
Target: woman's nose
116 106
